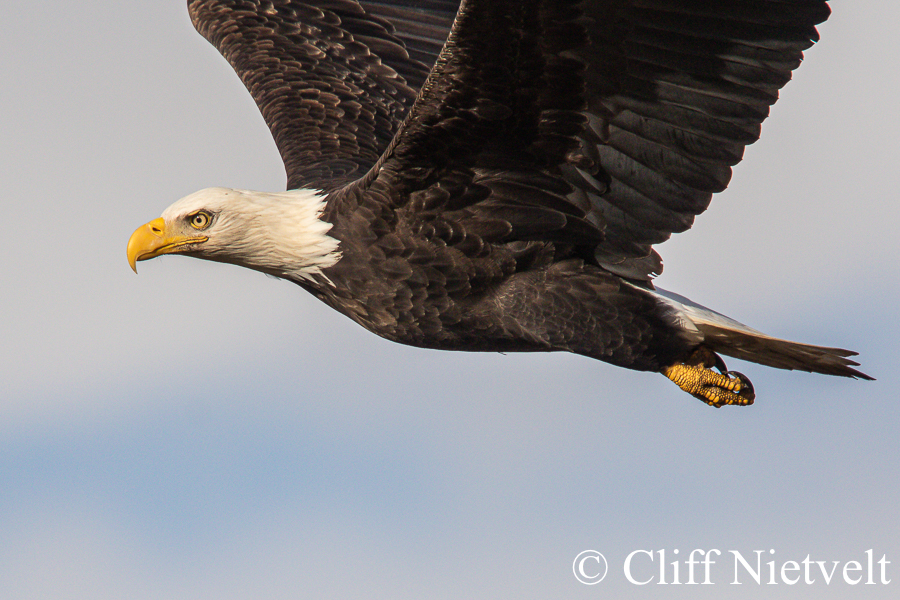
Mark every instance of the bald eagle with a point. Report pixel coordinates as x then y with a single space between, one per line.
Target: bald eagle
492 175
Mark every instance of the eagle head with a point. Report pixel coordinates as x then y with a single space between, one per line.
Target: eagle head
280 233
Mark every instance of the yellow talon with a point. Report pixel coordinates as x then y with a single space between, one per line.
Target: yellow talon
716 389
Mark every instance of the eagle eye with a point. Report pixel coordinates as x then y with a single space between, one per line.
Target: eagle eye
200 219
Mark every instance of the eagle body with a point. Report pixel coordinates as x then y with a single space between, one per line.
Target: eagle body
402 280
493 175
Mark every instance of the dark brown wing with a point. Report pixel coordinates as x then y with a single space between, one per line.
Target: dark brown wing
333 79
607 124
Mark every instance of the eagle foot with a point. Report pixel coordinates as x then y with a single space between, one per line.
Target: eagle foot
716 389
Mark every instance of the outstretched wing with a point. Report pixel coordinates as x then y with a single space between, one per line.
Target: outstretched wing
607 124
334 78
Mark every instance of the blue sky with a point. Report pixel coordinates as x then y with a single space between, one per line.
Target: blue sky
204 431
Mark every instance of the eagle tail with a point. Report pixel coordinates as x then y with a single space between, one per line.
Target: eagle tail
783 354
731 338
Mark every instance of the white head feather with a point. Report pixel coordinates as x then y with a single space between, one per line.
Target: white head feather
279 233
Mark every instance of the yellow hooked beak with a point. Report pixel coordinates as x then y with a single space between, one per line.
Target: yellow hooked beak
150 240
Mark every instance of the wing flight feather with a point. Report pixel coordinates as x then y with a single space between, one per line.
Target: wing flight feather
639 107
333 79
